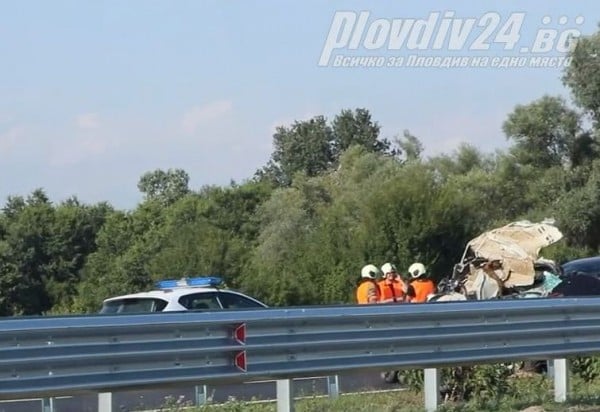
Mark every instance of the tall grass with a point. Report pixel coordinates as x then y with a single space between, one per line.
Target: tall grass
534 392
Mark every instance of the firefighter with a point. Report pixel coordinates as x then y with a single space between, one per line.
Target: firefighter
391 287
367 290
420 286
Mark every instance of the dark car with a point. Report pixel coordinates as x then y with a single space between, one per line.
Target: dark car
580 277
586 266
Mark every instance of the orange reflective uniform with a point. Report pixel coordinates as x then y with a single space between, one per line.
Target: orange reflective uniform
422 288
392 290
367 292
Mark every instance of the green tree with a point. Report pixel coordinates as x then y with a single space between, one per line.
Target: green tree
314 146
318 233
164 186
212 232
126 245
277 271
43 250
582 76
305 147
14 205
74 229
356 128
578 210
410 146
26 254
545 132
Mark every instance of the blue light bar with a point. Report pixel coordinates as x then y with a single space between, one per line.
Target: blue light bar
204 281
166 284
198 281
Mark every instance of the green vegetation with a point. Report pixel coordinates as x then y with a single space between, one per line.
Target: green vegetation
334 195
534 392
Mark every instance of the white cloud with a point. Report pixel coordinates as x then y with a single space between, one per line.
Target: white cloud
195 116
78 150
88 121
8 139
89 140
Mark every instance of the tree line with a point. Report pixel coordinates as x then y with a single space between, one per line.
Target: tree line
334 196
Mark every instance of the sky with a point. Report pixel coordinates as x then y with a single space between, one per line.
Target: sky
93 94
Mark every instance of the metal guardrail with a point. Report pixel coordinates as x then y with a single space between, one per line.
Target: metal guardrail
57 356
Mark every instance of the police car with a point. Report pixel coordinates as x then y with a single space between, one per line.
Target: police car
197 293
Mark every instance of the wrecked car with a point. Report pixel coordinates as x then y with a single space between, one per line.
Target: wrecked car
505 261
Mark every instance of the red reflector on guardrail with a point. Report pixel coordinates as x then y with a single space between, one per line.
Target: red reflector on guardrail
240 360
239 334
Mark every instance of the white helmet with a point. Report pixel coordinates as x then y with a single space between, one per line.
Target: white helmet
369 271
416 270
387 268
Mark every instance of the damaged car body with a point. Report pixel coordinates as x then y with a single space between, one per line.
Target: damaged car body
505 262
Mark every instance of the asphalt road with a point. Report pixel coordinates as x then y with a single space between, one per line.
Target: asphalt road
153 399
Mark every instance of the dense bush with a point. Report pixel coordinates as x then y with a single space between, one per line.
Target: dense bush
587 368
483 382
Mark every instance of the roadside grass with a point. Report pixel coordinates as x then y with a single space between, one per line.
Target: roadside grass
534 394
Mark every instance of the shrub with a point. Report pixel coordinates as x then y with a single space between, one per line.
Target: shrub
462 383
587 368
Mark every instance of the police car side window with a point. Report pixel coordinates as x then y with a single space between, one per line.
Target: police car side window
159 305
200 301
235 301
134 305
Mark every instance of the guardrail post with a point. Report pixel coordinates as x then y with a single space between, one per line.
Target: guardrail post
201 392
285 400
432 389
550 369
48 405
333 386
561 379
105 402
